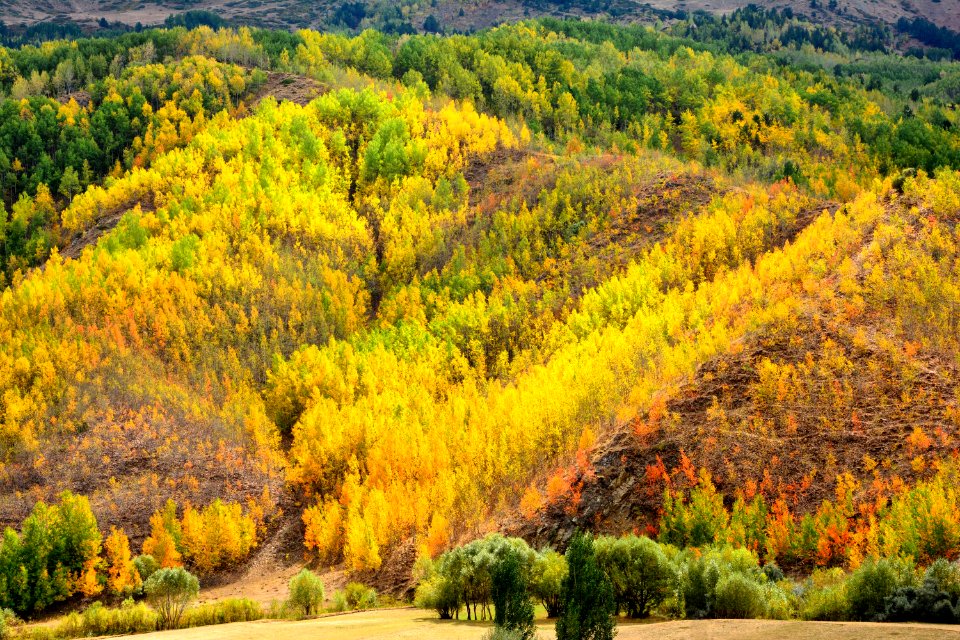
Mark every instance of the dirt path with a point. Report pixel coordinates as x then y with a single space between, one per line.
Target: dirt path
266 576
423 625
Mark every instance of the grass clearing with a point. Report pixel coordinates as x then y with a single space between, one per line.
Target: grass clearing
422 625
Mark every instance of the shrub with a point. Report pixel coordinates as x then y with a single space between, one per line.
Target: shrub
587 600
546 580
501 633
935 600
169 591
827 604
222 612
702 574
945 575
276 610
824 596
737 596
98 620
339 601
360 596
777 601
639 570
146 566
306 592
39 633
925 603
871 584
513 610
773 572
8 620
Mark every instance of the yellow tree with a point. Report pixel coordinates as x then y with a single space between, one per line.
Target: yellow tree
164 533
122 575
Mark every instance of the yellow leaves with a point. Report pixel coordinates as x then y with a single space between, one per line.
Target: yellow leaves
458 132
43 201
941 193
872 110
525 136
161 543
87 582
323 524
218 536
360 549
122 575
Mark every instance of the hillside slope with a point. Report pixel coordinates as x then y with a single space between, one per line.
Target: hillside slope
550 276
455 15
845 397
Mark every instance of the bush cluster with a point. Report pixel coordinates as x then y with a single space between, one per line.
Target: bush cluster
721 581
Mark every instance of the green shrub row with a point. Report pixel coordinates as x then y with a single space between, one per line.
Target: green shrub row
169 591
646 577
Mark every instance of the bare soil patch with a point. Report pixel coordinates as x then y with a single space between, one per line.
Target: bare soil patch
288 87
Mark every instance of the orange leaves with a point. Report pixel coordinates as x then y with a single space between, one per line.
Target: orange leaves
919 441
780 533
687 469
656 473
438 535
559 485
833 537
646 429
564 486
531 502
584 450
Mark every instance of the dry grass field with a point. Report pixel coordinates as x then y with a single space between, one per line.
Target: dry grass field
422 625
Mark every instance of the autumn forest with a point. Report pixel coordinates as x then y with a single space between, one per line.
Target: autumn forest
441 309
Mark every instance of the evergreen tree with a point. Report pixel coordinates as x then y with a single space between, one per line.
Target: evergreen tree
512 607
587 596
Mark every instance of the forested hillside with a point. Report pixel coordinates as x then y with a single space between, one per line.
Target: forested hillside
403 291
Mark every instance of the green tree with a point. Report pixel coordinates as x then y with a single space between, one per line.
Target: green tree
441 586
69 183
546 580
639 570
146 566
306 592
587 597
79 542
513 610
